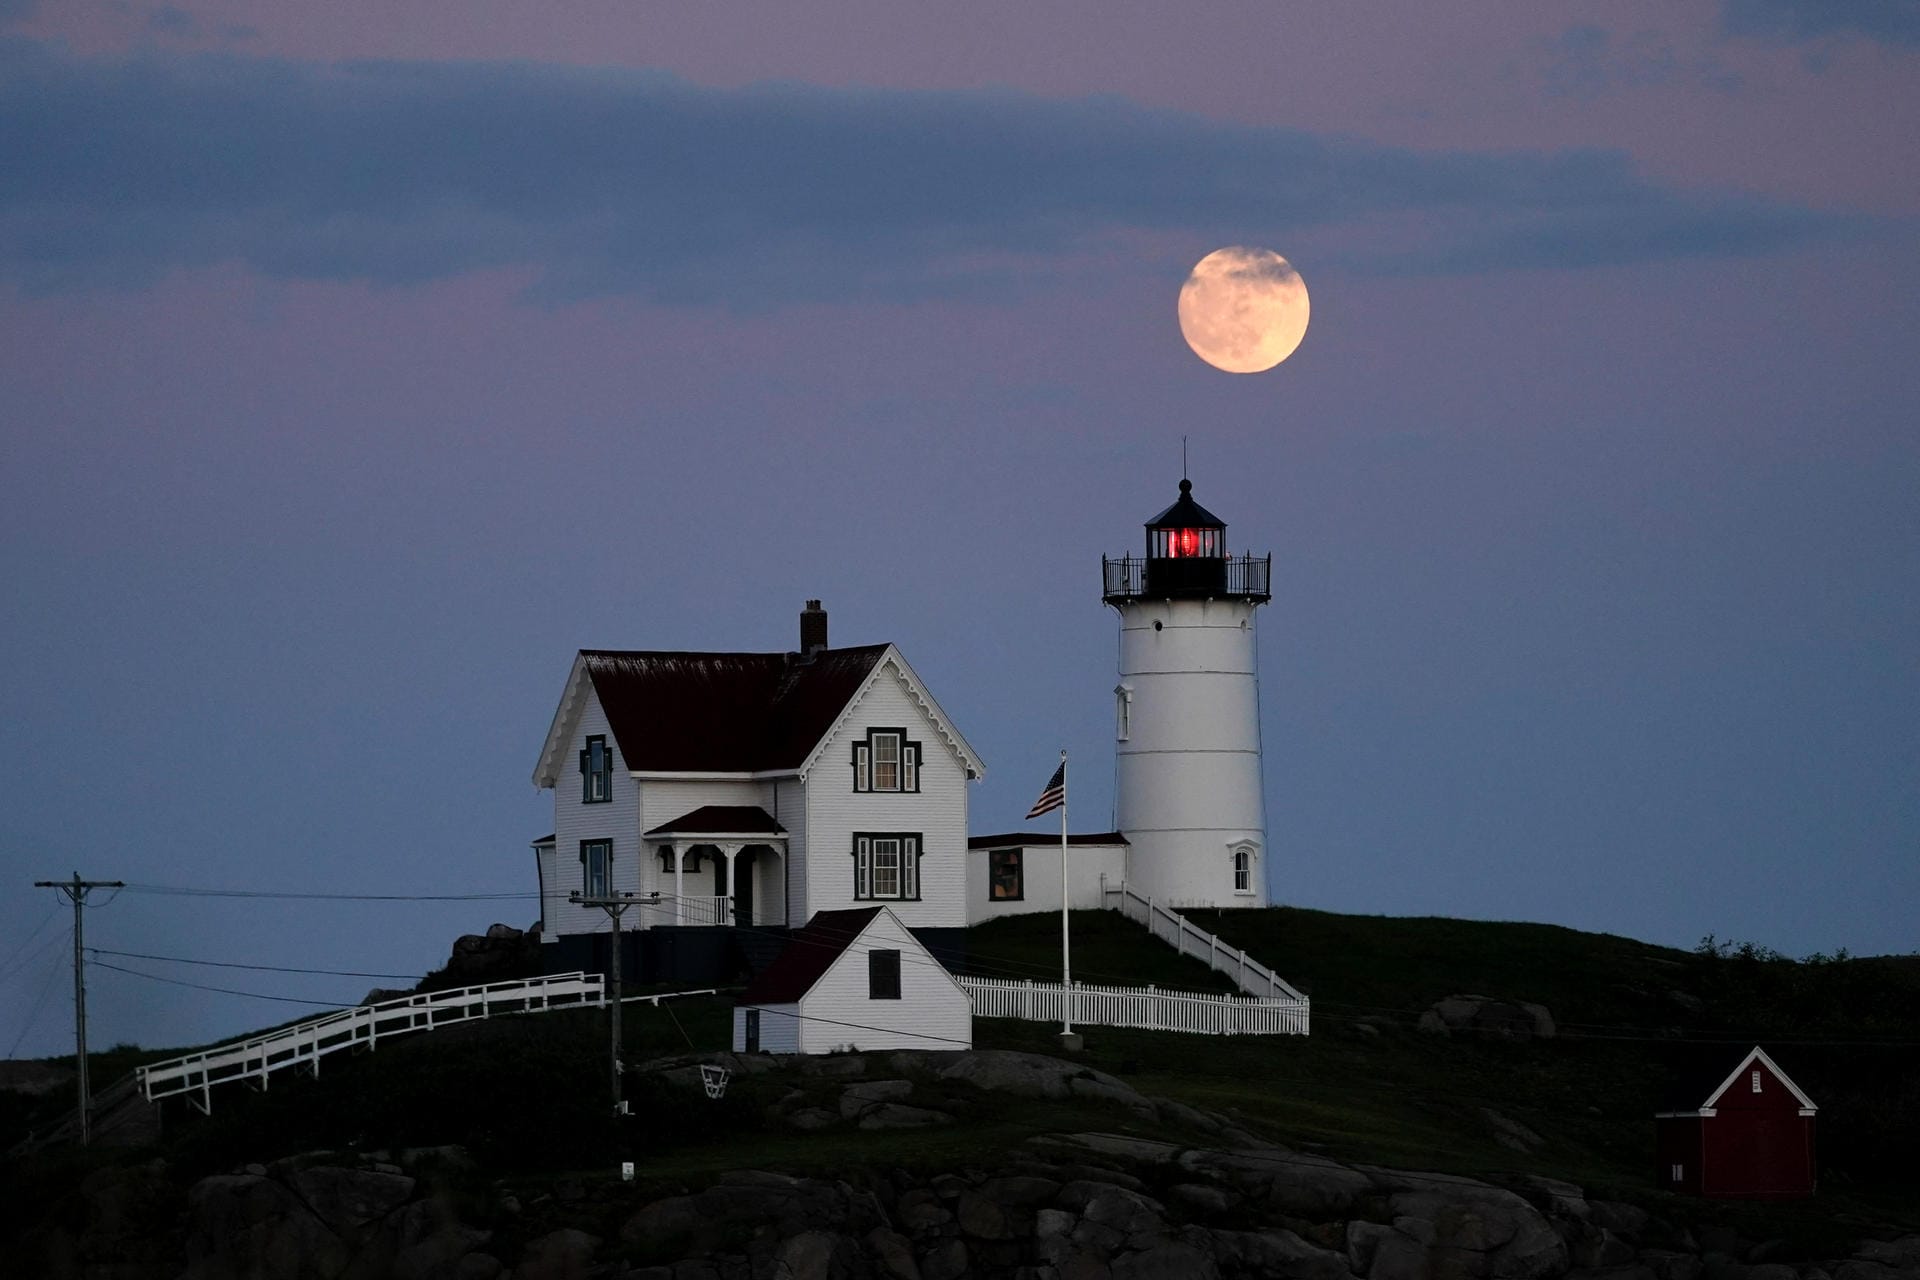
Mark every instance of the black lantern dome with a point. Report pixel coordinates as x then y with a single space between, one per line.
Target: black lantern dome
1186 559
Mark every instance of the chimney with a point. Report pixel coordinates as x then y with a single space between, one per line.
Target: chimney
813 629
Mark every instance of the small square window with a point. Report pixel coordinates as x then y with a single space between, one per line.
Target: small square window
1005 879
883 975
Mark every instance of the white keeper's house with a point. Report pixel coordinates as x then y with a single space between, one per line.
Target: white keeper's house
736 795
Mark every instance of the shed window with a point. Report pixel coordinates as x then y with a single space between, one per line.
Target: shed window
751 1039
1756 1080
883 975
1677 1173
1005 881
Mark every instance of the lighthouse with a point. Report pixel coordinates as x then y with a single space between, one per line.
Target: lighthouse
1187 785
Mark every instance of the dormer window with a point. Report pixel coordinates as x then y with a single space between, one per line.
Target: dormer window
596 771
885 761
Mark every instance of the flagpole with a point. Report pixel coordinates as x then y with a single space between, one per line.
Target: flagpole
1066 946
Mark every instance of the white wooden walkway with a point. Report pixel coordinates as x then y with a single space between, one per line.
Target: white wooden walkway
1148 1008
1189 939
303 1044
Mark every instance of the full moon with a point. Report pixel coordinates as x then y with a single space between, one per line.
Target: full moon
1243 310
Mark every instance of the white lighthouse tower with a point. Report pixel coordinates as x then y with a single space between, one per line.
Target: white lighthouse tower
1187 783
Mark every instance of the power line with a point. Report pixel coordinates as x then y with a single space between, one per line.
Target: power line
229 991
265 968
53 971
16 952
185 891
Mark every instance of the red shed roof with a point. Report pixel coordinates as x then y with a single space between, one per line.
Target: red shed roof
808 955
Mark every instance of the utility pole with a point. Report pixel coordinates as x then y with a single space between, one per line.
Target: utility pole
76 890
614 904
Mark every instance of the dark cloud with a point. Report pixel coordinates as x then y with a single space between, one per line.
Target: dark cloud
611 181
1888 21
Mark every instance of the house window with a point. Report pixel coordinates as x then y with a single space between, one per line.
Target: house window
1004 880
883 975
886 865
752 1035
1756 1081
596 863
885 761
1122 713
1243 868
596 771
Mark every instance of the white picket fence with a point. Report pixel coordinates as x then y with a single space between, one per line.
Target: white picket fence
303 1044
1147 1008
1189 939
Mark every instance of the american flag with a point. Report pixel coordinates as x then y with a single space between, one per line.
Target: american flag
1055 794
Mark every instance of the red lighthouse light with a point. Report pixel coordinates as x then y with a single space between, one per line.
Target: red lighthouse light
1186 543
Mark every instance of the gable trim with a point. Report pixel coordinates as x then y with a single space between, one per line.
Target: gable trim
566 717
891 660
1746 1063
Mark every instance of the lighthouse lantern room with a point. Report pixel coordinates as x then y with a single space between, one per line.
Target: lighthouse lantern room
1187 778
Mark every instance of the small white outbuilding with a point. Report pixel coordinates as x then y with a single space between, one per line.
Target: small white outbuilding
854 979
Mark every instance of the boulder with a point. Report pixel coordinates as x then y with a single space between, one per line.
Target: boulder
1490 1018
566 1254
1032 1075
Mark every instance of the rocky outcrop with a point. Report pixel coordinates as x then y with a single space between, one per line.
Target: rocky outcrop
500 953
1061 1206
1489 1018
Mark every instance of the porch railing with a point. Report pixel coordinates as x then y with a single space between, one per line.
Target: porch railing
1146 1008
704 909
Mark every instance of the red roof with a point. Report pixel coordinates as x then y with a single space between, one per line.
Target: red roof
724 712
808 955
722 819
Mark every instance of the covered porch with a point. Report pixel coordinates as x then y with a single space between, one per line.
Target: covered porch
719 865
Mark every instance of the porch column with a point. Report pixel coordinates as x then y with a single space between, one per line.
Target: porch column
731 851
679 882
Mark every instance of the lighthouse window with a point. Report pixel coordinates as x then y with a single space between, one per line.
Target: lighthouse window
1243 868
1183 544
1004 880
885 761
886 865
1122 713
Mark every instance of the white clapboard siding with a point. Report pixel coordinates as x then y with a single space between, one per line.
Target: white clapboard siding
937 813
931 1013
779 1028
617 820
1089 868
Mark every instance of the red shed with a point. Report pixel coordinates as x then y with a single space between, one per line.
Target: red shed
1737 1128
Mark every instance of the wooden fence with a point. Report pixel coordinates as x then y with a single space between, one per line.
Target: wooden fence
303 1044
1189 939
1147 1008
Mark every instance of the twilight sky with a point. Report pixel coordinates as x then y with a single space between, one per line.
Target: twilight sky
360 362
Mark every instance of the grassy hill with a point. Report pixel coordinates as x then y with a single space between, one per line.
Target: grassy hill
1367 1085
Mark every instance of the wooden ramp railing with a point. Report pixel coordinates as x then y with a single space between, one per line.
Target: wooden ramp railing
1148 1008
1189 939
303 1044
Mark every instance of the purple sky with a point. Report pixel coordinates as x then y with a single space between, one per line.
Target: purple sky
360 362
